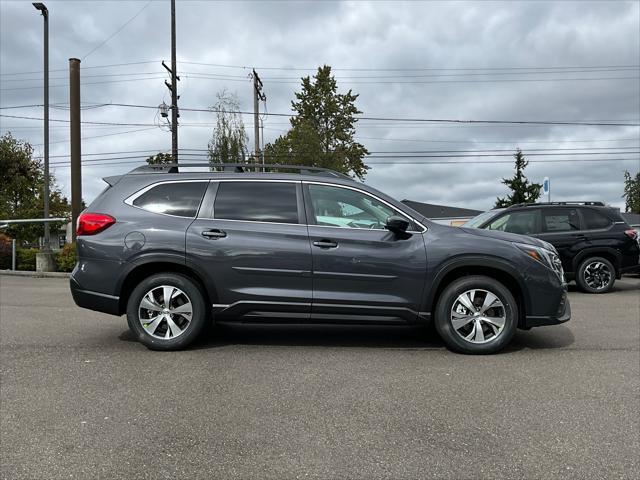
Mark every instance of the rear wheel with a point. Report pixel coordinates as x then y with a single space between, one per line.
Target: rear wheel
596 275
166 311
476 315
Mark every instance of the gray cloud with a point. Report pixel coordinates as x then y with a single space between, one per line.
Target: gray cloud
380 35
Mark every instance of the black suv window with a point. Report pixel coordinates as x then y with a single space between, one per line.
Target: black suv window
180 198
594 220
523 222
560 220
257 202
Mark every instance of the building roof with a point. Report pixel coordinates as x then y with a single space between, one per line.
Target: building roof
433 211
631 218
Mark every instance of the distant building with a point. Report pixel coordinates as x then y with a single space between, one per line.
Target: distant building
443 214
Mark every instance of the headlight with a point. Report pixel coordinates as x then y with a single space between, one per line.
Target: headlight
548 257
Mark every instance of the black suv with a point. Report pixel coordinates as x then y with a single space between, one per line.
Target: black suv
271 244
596 245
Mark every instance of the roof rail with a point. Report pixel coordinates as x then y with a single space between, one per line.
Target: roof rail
591 203
238 168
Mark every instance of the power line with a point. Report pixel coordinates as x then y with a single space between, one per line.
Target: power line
101 162
118 30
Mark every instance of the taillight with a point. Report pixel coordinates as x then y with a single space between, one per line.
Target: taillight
632 234
92 223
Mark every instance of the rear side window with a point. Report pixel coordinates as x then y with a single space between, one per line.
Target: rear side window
257 202
181 199
522 222
594 220
560 220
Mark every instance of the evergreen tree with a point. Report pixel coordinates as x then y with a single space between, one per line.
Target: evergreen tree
522 190
632 192
322 130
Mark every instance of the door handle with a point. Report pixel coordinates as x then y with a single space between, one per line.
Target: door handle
214 234
325 244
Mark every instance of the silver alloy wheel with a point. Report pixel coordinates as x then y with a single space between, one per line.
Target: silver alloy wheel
165 312
478 316
597 275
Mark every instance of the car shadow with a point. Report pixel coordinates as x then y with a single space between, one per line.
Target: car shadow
358 336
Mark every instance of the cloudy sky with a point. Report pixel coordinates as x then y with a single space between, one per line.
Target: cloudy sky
534 61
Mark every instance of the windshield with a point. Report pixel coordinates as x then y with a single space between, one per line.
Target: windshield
475 222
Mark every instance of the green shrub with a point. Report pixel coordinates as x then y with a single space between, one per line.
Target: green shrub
66 258
26 258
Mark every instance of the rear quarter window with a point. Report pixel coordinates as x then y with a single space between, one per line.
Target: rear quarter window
594 220
181 199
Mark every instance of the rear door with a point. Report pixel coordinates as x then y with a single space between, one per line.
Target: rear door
361 271
561 227
251 240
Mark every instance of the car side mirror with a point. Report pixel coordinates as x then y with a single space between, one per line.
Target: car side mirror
397 224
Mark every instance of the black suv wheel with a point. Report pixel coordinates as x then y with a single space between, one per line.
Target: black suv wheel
166 311
476 314
596 275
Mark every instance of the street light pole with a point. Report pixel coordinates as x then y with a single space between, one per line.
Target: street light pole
45 14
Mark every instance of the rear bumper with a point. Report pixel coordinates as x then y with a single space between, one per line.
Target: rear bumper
99 302
563 315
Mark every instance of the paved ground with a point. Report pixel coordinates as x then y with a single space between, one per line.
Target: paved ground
80 399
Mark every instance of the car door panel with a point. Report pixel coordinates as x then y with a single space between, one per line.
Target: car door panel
364 274
257 268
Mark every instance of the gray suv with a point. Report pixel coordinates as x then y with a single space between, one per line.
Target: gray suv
173 248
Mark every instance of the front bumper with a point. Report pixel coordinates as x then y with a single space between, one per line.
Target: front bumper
563 315
99 302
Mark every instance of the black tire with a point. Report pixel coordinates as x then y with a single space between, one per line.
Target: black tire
199 316
452 338
581 275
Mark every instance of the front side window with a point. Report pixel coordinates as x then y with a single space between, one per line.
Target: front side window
523 222
342 207
257 202
561 220
181 199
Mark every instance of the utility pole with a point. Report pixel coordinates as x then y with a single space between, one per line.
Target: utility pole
257 96
173 87
75 147
45 15
44 259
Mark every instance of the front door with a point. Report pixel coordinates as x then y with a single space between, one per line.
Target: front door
361 271
251 239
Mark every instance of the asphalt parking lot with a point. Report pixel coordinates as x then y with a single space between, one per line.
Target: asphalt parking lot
81 399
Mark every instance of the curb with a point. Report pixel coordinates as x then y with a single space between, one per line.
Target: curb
18 273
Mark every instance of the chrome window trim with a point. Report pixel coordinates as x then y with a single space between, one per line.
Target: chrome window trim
131 198
311 182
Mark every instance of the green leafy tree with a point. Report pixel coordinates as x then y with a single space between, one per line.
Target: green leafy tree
521 190
322 131
22 190
632 192
160 159
228 143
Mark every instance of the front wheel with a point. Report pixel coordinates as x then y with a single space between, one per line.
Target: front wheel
596 275
166 311
476 315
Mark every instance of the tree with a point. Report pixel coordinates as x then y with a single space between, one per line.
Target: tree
632 192
522 190
22 190
160 159
228 143
322 130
